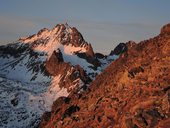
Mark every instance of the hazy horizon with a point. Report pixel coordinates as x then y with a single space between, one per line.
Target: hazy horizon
103 24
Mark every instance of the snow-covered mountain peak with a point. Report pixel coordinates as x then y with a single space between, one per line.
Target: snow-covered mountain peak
62 36
32 53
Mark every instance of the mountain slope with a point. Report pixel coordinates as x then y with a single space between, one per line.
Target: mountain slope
133 92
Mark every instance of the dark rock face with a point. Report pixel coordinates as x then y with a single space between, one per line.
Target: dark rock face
99 56
89 59
133 92
55 64
14 102
132 72
58 55
79 72
90 52
121 48
14 50
77 38
45 118
72 109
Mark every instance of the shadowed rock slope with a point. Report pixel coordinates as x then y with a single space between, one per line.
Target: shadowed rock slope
133 92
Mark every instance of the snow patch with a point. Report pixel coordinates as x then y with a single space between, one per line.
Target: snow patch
20 106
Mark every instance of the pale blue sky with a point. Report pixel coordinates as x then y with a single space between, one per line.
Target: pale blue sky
103 23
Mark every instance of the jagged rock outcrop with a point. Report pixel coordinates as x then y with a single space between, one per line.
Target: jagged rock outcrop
119 49
165 29
56 65
133 92
99 56
90 52
72 76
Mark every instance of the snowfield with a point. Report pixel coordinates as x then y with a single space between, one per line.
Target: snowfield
22 105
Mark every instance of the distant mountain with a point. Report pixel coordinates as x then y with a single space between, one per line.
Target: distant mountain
36 70
132 92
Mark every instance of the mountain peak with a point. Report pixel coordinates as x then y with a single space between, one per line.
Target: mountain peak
62 27
62 36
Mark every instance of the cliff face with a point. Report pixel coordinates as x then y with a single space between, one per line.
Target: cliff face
72 76
133 92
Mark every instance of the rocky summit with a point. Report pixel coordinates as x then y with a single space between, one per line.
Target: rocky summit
132 92
165 29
